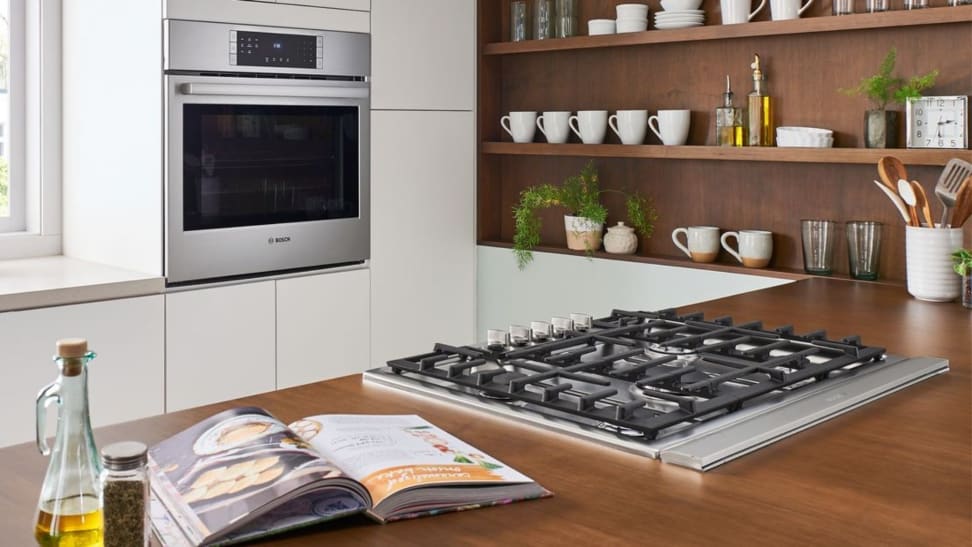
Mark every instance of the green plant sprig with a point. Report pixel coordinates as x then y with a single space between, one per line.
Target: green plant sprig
883 87
963 262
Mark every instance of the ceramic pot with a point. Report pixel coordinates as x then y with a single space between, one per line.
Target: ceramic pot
967 291
582 233
881 129
620 240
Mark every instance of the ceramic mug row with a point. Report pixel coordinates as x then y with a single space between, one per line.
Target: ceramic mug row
631 126
754 248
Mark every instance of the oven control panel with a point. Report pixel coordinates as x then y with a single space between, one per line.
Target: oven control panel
265 49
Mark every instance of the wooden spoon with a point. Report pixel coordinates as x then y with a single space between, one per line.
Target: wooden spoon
963 204
921 203
892 170
908 196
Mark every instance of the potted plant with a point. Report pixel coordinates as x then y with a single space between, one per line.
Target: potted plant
881 124
580 196
963 266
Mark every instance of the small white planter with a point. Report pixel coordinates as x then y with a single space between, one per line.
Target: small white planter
582 233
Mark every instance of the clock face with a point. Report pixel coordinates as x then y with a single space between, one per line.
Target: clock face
938 122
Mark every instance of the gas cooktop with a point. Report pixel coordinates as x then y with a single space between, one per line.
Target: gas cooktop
690 391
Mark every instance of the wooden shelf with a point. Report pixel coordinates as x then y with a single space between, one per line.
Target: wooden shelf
781 273
715 31
866 156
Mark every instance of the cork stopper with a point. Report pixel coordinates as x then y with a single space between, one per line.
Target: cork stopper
72 347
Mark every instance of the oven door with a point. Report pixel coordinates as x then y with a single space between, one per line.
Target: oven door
264 175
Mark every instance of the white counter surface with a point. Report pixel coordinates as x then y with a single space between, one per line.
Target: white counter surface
58 280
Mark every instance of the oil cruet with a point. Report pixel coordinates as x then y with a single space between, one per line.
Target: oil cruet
69 509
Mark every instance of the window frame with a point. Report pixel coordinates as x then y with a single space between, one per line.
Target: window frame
35 133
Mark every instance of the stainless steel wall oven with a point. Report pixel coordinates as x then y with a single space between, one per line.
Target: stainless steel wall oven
266 150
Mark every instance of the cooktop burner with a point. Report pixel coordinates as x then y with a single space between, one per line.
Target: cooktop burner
643 376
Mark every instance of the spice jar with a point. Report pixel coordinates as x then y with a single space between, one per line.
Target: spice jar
125 494
620 239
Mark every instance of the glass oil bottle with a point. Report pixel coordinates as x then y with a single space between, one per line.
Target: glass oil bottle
759 108
730 130
69 509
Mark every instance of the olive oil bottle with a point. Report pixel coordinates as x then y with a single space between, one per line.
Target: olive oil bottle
759 110
69 509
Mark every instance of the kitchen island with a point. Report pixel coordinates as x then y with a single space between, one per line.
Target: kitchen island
896 471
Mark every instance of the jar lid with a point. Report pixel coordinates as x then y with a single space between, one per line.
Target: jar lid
124 455
621 228
72 347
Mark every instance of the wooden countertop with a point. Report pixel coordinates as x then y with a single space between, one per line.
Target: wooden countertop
897 471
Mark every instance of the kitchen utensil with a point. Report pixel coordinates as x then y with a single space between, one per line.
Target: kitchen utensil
891 170
955 172
895 199
907 194
921 203
963 204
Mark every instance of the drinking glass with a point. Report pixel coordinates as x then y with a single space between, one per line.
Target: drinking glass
519 21
915 4
863 248
874 6
582 321
543 19
540 331
497 339
519 335
566 18
818 246
844 7
561 326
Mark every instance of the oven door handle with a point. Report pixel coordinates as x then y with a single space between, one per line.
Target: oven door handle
318 92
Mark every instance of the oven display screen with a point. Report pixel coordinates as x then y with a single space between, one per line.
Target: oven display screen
286 50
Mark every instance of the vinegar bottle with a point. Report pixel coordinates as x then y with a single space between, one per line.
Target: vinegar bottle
759 110
69 509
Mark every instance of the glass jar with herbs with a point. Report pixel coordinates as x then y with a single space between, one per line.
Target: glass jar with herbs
125 494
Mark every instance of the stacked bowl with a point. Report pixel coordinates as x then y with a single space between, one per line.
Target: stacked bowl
804 137
632 18
680 14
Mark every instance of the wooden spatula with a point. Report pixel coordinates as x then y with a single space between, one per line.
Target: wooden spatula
963 203
921 203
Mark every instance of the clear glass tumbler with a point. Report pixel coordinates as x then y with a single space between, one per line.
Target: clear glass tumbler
844 7
818 246
874 6
915 4
519 21
566 18
863 248
543 19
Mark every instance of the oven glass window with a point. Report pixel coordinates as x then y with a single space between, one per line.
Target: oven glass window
249 165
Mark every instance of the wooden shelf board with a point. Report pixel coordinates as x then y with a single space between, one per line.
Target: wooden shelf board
768 154
715 31
780 273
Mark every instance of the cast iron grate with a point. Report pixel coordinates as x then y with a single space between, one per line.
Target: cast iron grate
680 368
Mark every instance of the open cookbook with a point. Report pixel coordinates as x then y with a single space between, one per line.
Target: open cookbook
243 474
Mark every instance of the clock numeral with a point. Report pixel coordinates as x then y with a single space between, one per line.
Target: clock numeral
941 104
921 111
928 141
919 134
953 143
919 123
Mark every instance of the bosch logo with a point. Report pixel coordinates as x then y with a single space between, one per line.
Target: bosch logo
282 239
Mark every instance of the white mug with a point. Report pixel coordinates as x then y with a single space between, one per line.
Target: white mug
554 126
755 247
703 242
589 125
520 125
671 126
630 125
737 11
787 9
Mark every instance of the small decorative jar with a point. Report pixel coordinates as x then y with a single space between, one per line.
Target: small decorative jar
621 239
125 494
967 290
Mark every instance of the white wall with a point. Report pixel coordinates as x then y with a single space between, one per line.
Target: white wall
557 284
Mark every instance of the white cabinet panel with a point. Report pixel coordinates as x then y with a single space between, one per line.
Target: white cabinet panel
350 15
322 327
423 239
423 54
125 380
219 344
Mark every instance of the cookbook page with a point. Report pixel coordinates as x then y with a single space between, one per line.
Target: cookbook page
217 473
392 453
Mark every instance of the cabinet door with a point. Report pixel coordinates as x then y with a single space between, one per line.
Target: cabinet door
219 344
322 327
423 54
125 380
423 240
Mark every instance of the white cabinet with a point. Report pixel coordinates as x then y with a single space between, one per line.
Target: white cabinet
219 344
423 54
322 327
423 238
125 380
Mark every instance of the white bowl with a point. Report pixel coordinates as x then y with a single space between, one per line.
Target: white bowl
804 130
600 26
632 11
680 5
631 25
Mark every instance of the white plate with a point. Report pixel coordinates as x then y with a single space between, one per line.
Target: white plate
680 20
670 26
681 12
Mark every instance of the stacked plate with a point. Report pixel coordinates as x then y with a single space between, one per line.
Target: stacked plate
804 137
668 19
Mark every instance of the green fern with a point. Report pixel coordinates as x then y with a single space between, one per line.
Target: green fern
883 88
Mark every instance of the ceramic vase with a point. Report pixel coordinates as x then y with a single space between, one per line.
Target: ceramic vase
583 234
881 129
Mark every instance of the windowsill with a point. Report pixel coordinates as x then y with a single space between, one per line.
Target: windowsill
59 280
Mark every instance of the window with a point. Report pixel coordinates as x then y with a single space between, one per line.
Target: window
30 83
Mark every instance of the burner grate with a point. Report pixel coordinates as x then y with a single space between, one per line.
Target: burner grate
682 368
